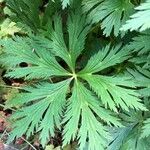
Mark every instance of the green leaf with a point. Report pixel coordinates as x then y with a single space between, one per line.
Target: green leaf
43 115
59 47
140 20
65 3
105 58
140 43
142 77
133 140
78 29
113 92
89 4
82 105
146 128
113 14
129 136
86 96
118 137
26 12
20 50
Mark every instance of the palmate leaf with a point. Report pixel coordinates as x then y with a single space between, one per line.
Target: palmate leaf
83 103
79 27
140 20
29 119
20 50
113 14
42 106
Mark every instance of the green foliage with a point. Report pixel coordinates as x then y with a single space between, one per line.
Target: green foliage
113 14
130 136
20 12
29 53
81 80
46 100
65 3
112 95
141 45
140 20
146 127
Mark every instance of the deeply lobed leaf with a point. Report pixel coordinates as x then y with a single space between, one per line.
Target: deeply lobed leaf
113 14
83 103
105 58
44 114
113 91
21 50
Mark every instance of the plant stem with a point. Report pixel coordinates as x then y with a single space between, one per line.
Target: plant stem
28 143
7 86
